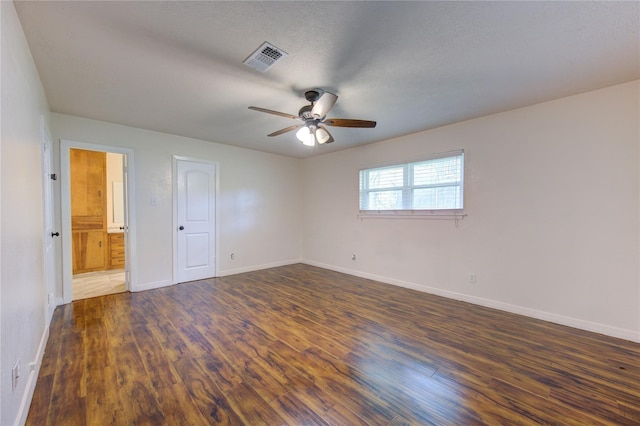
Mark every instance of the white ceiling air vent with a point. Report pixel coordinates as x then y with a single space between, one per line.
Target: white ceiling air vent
265 57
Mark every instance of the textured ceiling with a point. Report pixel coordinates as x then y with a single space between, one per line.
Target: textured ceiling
176 67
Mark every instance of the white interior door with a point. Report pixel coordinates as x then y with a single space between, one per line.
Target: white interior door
49 233
195 184
125 220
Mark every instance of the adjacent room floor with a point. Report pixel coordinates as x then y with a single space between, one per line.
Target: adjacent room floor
99 283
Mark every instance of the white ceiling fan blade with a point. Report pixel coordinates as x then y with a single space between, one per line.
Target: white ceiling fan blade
324 105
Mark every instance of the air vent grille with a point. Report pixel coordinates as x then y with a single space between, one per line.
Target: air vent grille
265 57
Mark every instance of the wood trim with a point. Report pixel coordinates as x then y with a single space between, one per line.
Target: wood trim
86 223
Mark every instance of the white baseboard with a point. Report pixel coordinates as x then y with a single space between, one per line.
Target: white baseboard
257 267
224 273
608 330
34 371
152 285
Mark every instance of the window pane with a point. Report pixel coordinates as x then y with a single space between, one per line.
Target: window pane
434 184
384 200
424 199
390 177
442 170
446 197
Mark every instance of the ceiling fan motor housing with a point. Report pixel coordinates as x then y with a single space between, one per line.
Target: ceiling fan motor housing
312 95
305 112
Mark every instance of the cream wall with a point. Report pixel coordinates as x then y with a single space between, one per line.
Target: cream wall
258 198
22 290
551 193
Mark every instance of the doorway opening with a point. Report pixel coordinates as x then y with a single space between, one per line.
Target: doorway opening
97 223
96 184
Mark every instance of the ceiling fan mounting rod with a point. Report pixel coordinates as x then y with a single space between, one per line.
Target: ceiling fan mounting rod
305 112
312 95
312 123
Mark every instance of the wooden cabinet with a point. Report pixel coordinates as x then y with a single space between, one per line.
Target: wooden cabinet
116 250
88 210
88 251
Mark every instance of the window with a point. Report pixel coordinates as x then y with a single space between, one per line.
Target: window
434 184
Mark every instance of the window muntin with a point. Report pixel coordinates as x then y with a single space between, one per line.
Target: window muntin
434 184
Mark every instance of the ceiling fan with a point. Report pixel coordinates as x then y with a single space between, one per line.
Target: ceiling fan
314 118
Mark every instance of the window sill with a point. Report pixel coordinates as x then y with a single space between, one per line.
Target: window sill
413 214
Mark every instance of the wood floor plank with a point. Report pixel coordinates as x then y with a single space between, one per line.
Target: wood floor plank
303 345
68 389
102 402
339 415
541 410
40 404
178 407
295 412
135 383
252 409
212 403
357 392
153 359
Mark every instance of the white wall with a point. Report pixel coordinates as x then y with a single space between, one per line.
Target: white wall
22 287
552 197
258 198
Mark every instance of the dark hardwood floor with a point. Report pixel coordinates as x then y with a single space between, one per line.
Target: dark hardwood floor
299 345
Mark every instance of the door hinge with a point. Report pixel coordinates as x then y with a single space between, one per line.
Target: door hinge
54 176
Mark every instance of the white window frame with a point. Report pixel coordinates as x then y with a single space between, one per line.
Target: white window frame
407 188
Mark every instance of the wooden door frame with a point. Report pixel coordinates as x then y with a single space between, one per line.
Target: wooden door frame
65 216
177 158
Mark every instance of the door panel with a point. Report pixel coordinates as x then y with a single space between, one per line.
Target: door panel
195 183
49 233
197 246
89 251
88 183
196 196
88 210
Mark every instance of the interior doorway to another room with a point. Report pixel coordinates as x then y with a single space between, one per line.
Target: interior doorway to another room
98 221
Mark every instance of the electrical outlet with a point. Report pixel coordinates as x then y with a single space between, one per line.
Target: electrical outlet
233 256
15 374
353 256
472 278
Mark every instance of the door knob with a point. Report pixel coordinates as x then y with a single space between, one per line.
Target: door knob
55 234
181 228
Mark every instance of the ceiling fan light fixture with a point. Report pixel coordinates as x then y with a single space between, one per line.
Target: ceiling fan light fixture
306 136
322 135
